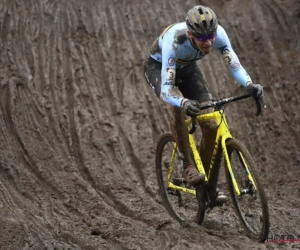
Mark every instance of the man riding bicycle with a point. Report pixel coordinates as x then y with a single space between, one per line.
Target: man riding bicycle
172 72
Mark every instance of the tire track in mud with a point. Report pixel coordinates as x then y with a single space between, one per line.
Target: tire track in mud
73 92
13 107
40 178
85 124
112 201
28 161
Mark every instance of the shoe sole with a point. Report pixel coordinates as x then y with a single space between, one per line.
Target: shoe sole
221 199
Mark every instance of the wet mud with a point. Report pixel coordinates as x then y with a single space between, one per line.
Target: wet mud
79 124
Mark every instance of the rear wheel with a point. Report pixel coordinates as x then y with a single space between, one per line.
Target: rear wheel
182 206
251 205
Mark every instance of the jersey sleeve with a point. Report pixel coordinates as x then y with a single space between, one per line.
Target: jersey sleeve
168 74
223 44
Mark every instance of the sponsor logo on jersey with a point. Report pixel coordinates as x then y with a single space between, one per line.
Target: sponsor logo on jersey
235 65
224 49
171 61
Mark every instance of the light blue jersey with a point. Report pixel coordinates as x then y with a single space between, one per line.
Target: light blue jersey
174 49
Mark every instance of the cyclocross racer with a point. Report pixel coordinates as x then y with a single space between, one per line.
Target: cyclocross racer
172 66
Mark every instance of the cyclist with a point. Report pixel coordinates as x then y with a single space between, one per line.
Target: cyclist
172 72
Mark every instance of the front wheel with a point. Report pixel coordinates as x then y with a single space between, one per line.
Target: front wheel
250 201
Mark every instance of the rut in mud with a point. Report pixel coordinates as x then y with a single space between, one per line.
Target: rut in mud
78 123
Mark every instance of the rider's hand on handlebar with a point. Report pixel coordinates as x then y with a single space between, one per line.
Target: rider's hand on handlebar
190 107
257 91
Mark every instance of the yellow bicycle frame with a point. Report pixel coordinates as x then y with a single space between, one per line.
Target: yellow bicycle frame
223 134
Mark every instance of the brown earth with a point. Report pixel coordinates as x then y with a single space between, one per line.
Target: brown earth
79 125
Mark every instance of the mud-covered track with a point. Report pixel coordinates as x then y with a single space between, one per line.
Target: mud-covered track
78 123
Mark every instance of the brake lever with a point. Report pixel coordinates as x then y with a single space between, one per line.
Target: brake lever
258 107
194 125
259 104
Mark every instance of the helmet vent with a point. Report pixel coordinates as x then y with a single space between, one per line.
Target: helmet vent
201 20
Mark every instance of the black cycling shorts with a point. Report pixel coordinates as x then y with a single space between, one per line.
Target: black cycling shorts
189 80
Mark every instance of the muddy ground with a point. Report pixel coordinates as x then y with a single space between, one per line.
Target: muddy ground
78 124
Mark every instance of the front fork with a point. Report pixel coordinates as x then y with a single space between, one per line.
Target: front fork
250 185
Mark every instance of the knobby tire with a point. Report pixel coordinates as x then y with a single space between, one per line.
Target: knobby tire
234 147
162 183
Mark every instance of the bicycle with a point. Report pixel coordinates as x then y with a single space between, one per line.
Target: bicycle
246 192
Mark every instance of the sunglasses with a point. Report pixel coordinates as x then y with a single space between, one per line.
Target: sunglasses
210 37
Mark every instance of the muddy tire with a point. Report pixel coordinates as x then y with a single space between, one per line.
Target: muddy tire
251 205
181 206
